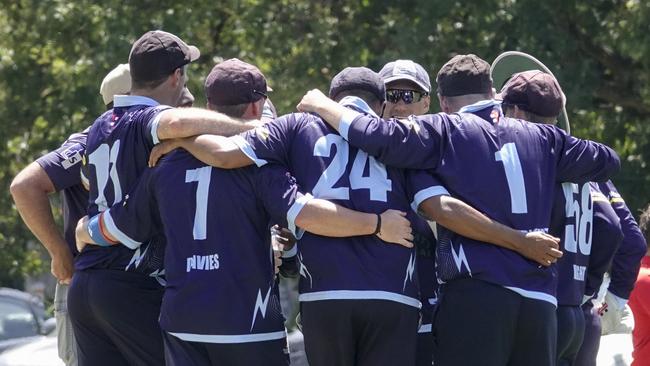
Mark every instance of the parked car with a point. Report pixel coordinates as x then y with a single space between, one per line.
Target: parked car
22 318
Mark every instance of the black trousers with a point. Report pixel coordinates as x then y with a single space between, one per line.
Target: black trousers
359 332
570 333
479 323
183 353
591 342
115 318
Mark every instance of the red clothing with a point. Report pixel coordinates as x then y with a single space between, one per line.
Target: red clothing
640 305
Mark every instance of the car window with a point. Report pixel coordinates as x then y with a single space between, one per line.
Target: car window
16 320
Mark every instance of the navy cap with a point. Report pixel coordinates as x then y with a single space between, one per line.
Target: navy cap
464 74
534 91
157 54
358 78
234 82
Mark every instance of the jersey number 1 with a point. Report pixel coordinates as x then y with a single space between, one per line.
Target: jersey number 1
104 158
515 176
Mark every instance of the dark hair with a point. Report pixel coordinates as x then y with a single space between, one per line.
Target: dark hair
644 221
153 84
235 110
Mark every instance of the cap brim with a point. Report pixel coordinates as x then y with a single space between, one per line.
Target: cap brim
194 53
409 78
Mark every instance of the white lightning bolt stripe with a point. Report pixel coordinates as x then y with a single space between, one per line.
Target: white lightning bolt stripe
410 268
260 304
460 258
137 257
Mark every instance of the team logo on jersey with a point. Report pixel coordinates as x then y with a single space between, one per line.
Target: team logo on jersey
411 123
495 115
262 133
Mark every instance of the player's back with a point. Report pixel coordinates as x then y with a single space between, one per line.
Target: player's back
506 169
118 147
218 262
325 165
590 233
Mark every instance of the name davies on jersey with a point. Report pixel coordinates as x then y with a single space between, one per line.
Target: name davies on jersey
579 272
203 262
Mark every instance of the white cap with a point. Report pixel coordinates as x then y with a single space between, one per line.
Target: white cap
118 81
406 70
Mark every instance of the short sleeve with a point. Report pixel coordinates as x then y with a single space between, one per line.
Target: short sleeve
421 185
269 143
149 121
63 165
278 191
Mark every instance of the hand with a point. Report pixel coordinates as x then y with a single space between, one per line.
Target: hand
81 233
311 101
277 260
161 149
395 228
62 266
540 247
283 237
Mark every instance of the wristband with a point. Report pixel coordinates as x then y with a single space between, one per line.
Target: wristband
378 228
95 232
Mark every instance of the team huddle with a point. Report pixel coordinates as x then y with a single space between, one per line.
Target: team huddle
476 236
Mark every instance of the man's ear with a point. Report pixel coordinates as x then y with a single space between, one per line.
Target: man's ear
444 105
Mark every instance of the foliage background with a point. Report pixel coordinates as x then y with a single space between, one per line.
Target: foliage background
54 54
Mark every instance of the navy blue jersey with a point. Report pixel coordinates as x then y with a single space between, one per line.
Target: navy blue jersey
63 167
627 260
589 233
505 168
362 267
607 238
219 268
119 143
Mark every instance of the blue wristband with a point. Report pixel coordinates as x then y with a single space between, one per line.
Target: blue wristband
95 232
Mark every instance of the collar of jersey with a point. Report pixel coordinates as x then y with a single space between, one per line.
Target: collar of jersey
357 104
129 100
480 105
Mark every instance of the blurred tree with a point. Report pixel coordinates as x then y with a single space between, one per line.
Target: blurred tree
54 53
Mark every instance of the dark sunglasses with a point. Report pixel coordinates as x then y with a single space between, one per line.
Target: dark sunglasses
407 96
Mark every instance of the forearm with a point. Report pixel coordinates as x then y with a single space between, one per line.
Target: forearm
328 219
331 112
217 151
30 196
186 122
464 220
35 210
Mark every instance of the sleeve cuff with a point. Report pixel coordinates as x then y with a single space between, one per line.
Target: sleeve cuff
110 226
291 252
154 128
247 149
422 195
346 121
294 211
